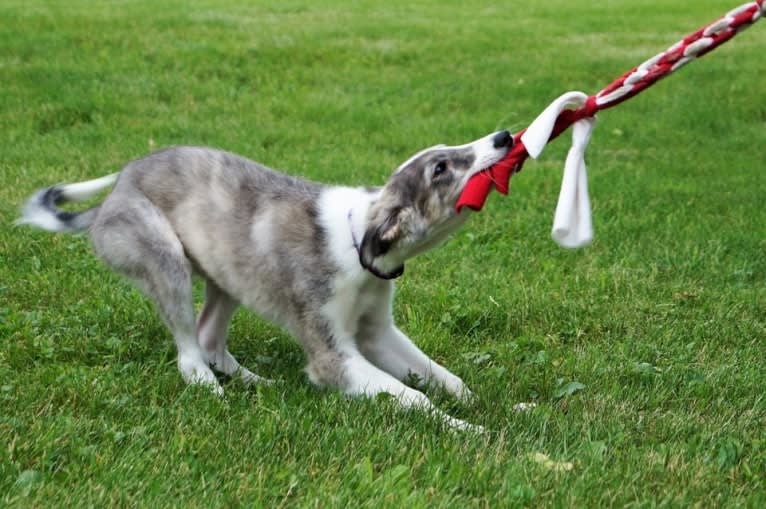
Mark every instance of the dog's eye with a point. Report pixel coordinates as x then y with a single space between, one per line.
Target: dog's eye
440 168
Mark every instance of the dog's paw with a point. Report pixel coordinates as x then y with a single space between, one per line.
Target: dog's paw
458 389
460 425
464 394
213 385
196 372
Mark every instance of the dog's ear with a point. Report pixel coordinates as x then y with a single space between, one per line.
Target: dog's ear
379 237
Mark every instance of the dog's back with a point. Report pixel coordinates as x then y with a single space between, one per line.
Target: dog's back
251 230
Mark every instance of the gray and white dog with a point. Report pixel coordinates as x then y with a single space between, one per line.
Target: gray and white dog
317 260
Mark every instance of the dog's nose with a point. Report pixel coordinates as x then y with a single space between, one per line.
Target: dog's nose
502 139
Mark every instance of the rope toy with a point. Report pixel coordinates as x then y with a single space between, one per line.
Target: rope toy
572 225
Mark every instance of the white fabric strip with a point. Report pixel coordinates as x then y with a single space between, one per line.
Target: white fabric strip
572 223
539 132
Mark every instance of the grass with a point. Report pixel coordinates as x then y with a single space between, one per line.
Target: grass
645 352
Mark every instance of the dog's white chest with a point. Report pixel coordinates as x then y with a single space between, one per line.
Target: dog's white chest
354 301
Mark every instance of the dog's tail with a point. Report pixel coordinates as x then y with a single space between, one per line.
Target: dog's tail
41 209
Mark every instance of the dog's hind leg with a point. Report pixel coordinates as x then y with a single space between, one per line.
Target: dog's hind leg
212 330
134 237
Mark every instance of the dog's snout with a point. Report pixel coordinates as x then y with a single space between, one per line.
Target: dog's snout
502 139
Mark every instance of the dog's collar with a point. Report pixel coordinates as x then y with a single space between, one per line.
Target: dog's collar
370 268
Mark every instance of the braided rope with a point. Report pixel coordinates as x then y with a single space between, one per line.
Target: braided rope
633 82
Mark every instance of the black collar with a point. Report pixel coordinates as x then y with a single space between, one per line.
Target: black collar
371 268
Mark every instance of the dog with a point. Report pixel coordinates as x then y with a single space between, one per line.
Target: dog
318 260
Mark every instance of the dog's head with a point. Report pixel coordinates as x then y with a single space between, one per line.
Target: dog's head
416 208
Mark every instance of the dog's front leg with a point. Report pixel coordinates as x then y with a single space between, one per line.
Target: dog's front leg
392 351
363 378
339 364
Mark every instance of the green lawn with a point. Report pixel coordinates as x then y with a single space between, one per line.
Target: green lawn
662 319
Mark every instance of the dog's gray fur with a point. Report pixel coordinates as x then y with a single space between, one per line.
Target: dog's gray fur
301 254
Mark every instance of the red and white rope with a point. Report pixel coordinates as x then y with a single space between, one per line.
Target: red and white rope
696 45
574 207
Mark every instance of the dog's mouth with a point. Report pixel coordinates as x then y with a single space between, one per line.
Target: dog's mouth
497 161
485 164
495 148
